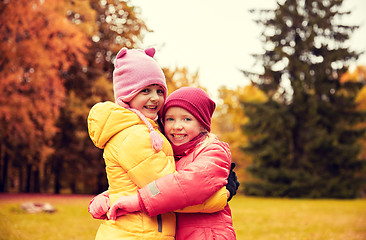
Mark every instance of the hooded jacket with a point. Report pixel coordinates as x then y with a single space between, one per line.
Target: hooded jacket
131 163
200 173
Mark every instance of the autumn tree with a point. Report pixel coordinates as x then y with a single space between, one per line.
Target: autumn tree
304 139
36 45
180 77
109 25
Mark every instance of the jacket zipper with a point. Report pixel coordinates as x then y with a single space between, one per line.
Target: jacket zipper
160 223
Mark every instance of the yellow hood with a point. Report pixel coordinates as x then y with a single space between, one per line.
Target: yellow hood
107 119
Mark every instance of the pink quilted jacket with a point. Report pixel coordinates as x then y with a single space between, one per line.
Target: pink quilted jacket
200 174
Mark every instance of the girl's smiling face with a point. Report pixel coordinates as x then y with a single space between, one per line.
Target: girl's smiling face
149 101
180 126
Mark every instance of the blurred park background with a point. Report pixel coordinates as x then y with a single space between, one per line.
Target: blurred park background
296 126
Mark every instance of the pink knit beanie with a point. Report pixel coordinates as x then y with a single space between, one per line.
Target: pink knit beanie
194 100
134 70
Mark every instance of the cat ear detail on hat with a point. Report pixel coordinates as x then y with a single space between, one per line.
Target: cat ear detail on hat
120 54
150 52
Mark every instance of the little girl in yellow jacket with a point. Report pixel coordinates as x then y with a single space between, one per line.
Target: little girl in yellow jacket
135 153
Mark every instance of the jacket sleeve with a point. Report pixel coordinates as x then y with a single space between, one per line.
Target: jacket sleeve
190 186
215 203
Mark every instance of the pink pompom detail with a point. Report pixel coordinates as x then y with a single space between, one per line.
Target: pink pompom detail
156 140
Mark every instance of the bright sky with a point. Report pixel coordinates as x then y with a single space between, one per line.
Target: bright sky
217 38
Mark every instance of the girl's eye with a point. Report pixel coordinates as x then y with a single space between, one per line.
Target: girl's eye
187 119
168 119
146 90
160 92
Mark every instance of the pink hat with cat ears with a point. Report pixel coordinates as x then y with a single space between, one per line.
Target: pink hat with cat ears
135 69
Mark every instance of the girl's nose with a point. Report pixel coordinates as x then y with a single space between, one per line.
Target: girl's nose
177 125
154 96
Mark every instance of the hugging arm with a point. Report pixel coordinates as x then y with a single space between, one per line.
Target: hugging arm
192 185
99 206
219 199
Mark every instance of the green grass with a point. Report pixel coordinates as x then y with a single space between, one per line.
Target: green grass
70 221
254 219
289 219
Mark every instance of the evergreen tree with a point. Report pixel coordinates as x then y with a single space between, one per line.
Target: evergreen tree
304 138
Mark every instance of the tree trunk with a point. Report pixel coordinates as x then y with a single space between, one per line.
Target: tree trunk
28 178
21 185
57 170
45 180
36 182
4 173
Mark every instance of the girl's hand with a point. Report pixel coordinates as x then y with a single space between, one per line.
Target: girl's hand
124 205
99 205
232 182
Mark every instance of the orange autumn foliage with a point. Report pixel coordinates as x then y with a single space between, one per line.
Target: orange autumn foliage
37 45
358 75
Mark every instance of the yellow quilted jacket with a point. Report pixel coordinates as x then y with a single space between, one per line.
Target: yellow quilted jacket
131 163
